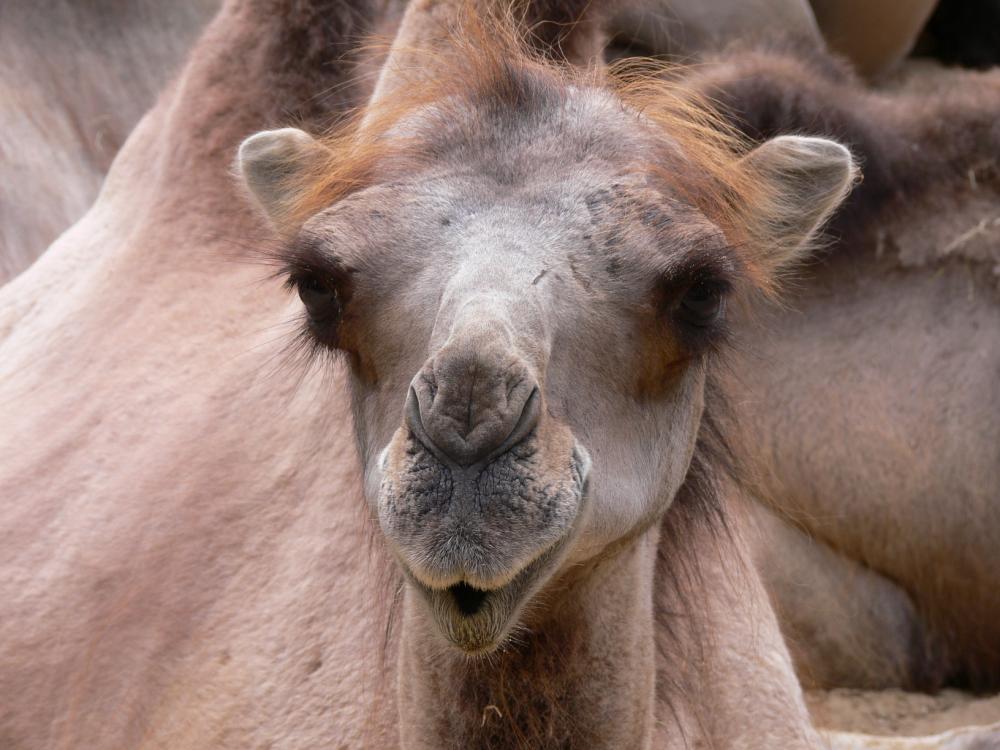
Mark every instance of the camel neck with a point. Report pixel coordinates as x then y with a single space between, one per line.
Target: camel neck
581 675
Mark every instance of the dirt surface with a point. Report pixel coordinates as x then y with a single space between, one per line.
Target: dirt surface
894 712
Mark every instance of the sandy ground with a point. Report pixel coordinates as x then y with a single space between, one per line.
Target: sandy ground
894 712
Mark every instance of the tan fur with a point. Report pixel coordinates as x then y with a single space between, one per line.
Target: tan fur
142 602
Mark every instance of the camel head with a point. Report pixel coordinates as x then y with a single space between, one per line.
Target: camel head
529 274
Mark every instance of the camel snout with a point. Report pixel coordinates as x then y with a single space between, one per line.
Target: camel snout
472 402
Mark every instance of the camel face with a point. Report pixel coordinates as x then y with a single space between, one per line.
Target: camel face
528 315
526 351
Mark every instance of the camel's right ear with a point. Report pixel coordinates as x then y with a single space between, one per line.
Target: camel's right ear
273 165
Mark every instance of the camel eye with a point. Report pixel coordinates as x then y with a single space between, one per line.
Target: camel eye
702 304
320 299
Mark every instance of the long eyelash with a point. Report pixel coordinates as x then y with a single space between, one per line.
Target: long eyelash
299 355
305 259
297 269
296 352
709 261
307 256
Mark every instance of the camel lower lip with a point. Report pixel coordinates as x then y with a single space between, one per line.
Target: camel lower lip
476 620
479 620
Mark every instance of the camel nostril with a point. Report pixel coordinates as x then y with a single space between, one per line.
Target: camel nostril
431 383
415 423
530 414
464 425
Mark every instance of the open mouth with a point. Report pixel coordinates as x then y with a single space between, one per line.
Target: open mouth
467 599
479 620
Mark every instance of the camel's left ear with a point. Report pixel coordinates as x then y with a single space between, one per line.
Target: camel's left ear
273 165
801 182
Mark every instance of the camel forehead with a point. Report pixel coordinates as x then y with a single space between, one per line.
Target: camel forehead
452 214
435 222
563 130
568 158
562 180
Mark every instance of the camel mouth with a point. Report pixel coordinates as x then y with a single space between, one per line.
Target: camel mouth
468 599
475 620
476 546
479 620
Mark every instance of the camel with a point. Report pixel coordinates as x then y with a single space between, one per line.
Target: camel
74 79
212 584
512 510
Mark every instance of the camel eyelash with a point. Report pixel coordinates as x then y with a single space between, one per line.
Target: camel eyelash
308 258
323 285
